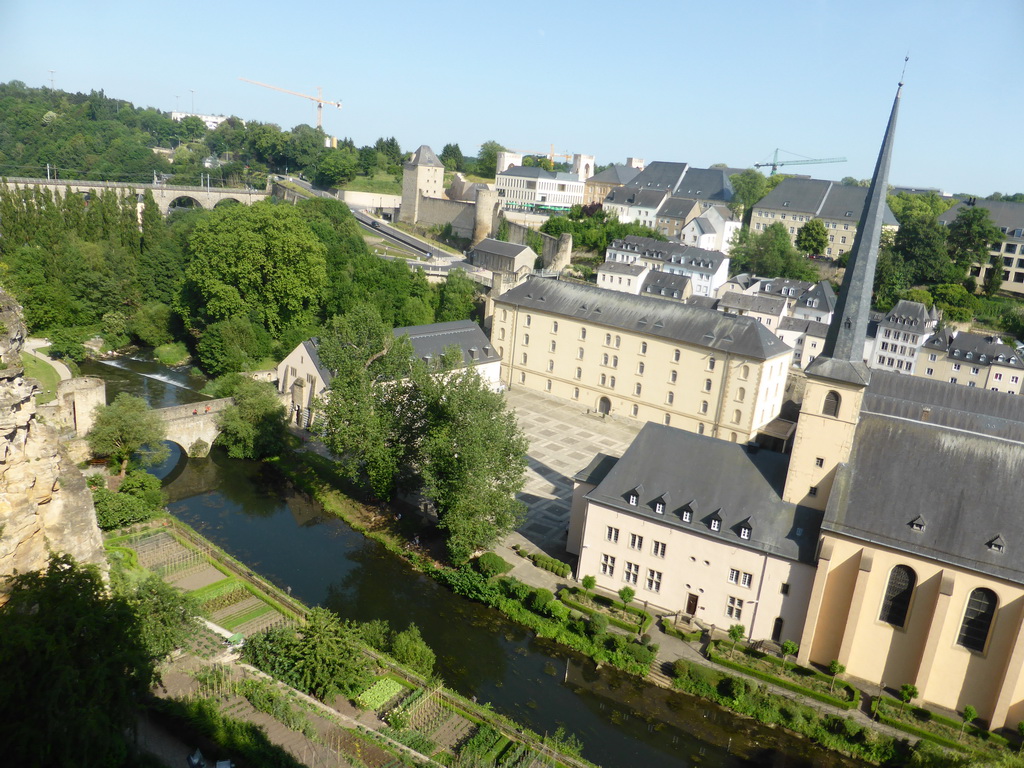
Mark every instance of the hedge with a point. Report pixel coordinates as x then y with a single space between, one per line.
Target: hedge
491 564
557 567
688 637
972 730
791 686
644 619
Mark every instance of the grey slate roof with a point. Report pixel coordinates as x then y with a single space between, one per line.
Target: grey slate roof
499 247
621 268
640 314
312 347
705 184
676 208
705 302
907 314
965 486
974 348
798 195
431 341
631 195
683 470
597 470
695 259
528 172
660 175
784 286
800 325
764 303
618 173
665 284
821 293
425 156
1003 215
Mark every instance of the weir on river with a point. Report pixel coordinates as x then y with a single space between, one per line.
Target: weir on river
248 509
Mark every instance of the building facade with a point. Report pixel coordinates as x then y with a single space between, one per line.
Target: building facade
1009 218
533 188
640 357
707 270
900 335
971 360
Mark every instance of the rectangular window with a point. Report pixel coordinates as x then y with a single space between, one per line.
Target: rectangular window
819 462
654 580
636 542
747 580
607 565
612 535
632 573
734 576
734 608
784 589
658 550
999 377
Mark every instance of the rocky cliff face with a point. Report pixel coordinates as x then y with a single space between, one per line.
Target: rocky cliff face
45 505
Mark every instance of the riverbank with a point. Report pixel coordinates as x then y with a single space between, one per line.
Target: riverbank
851 732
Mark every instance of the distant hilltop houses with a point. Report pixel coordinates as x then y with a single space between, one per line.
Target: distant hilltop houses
211 121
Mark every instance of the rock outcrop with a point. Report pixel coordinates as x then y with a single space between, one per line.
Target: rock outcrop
45 505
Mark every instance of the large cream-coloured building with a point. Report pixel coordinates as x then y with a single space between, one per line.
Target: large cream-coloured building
640 357
1009 219
909 487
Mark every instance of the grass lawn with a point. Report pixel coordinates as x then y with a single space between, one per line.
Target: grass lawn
45 373
380 184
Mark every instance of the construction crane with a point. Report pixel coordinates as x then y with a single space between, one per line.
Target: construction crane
775 163
320 101
550 155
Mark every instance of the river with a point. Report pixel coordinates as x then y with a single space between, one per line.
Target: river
248 509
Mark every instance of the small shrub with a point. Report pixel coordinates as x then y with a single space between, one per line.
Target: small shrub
491 564
541 598
680 667
598 625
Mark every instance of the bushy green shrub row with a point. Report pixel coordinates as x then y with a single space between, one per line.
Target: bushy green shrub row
557 567
915 731
791 686
689 637
482 744
839 734
886 710
267 698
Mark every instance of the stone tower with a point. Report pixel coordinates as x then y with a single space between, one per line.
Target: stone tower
583 166
507 159
422 176
837 378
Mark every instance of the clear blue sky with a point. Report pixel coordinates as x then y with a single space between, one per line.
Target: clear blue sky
664 80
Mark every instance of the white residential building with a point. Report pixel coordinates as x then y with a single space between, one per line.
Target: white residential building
707 270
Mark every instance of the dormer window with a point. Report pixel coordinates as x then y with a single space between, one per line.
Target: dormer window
716 524
917 524
998 544
659 507
745 532
632 499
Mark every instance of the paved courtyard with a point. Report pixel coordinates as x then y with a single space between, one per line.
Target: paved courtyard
563 440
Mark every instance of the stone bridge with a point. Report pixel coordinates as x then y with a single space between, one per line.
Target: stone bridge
194 426
165 195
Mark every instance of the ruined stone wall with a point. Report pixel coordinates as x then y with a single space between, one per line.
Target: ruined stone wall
435 212
45 505
555 252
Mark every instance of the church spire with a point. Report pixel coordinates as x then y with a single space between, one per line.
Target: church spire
843 355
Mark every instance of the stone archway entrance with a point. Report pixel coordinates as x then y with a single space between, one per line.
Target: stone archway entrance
604 406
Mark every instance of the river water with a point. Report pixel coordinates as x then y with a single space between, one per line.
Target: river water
249 510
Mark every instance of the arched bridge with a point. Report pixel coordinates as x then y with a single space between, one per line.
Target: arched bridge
194 426
164 194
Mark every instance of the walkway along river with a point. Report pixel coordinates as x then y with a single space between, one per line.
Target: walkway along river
248 509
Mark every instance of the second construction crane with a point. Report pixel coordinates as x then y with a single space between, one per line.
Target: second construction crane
320 101
775 162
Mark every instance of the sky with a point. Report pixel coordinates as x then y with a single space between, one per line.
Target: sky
703 83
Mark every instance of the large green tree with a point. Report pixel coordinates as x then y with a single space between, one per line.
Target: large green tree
456 297
452 157
125 428
769 254
921 243
812 237
971 236
260 261
487 159
254 426
76 668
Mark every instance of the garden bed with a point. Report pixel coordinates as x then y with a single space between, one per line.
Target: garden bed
593 604
792 677
925 724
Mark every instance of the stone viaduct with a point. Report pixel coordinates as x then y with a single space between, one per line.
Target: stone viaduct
164 194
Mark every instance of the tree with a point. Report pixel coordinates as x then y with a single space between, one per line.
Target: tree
908 692
452 157
254 427
812 237
487 159
748 188
835 669
232 345
971 236
789 648
736 633
260 261
167 617
994 276
968 716
1020 732
409 648
337 167
456 297
69 647
145 487
769 253
921 243
626 595
588 583
906 206
127 427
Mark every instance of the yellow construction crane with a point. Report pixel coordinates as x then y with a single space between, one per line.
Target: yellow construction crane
320 101
549 155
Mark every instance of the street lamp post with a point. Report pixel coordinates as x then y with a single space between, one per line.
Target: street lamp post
193 90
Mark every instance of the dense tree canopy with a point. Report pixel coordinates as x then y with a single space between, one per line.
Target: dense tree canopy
769 254
76 664
970 237
593 229
260 261
812 237
254 426
921 242
125 428
487 159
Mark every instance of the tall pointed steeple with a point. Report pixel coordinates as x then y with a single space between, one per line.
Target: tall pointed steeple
842 358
